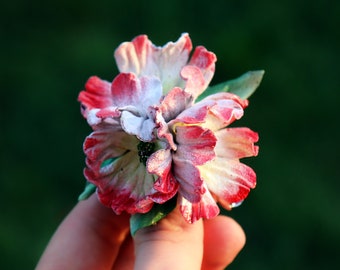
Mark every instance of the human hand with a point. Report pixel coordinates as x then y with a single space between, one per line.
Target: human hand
93 237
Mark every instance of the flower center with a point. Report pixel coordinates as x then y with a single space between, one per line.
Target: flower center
145 149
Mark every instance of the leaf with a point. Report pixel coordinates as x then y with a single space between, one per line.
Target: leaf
243 86
158 211
88 191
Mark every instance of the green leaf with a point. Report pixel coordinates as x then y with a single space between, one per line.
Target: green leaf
88 191
243 86
158 211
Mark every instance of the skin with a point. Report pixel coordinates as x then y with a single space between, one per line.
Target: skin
93 237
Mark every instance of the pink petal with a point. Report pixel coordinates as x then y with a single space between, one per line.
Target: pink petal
121 201
163 131
189 178
128 90
206 208
125 185
195 83
108 112
143 58
97 94
195 144
159 163
205 61
236 143
228 96
108 115
107 143
176 101
135 56
213 113
229 180
173 103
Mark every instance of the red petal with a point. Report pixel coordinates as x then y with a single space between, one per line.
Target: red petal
236 143
108 143
195 84
97 94
128 90
195 144
205 61
133 56
159 163
212 113
176 101
189 178
124 185
206 208
143 58
229 180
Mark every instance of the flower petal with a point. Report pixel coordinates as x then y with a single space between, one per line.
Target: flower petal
205 61
139 126
97 94
229 180
176 101
133 96
205 208
130 91
189 178
143 58
136 56
173 103
195 144
163 131
105 144
124 184
229 96
109 115
159 163
214 113
236 143
195 83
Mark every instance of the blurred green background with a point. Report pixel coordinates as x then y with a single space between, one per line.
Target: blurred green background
50 48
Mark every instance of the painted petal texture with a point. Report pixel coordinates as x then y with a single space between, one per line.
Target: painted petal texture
123 183
143 58
97 94
205 208
217 160
151 142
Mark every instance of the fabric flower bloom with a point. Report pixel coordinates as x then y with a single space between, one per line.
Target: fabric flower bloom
204 155
152 141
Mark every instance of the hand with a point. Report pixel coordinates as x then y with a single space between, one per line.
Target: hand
93 237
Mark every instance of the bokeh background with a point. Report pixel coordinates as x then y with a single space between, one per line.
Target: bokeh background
48 50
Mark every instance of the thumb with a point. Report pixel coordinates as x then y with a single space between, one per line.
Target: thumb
170 244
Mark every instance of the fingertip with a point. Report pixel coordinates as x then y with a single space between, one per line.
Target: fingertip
170 244
224 238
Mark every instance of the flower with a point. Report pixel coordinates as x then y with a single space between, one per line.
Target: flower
204 155
152 141
114 155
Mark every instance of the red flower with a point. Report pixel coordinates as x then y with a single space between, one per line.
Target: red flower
204 155
151 140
